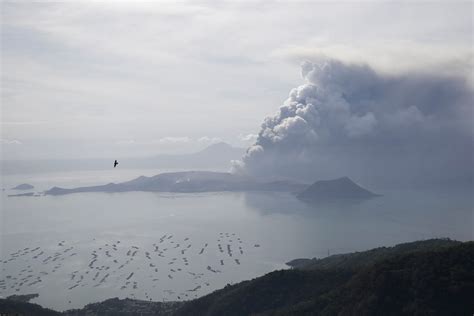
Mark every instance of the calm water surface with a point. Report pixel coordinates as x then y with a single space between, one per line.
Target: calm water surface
82 248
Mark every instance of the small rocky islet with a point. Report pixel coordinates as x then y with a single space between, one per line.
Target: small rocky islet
23 186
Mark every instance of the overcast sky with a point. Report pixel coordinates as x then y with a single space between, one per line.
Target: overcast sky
116 78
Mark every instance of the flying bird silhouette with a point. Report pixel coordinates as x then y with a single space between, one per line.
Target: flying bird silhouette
115 163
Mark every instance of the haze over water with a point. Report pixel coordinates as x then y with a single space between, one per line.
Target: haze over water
272 90
252 233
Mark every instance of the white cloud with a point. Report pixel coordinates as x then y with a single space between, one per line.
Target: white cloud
393 57
168 140
251 138
125 142
209 140
174 140
130 70
10 142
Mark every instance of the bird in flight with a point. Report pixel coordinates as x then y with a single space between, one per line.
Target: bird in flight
115 163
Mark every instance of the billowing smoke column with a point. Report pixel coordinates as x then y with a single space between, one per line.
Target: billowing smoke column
381 129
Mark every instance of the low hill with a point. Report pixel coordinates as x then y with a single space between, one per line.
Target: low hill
321 289
357 260
15 307
437 282
23 186
342 188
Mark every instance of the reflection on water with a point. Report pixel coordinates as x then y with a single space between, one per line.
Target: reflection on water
80 248
397 216
287 203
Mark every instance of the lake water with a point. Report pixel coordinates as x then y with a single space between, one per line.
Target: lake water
82 248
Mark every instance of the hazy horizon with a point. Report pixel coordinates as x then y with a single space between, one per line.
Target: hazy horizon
185 75
381 92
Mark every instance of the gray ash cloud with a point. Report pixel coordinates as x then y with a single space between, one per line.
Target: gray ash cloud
350 120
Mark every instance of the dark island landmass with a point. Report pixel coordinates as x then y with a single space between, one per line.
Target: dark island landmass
342 188
208 181
23 186
23 194
188 182
431 277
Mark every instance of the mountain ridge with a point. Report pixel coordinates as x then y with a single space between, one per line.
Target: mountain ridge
217 155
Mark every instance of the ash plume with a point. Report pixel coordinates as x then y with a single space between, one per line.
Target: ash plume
349 120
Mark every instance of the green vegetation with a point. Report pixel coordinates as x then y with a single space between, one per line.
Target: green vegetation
433 277
22 297
14 307
126 307
437 282
357 260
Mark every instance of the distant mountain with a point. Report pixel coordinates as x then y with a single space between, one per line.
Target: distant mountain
431 277
342 188
187 182
24 186
221 149
217 157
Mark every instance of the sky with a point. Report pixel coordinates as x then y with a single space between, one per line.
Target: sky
92 79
